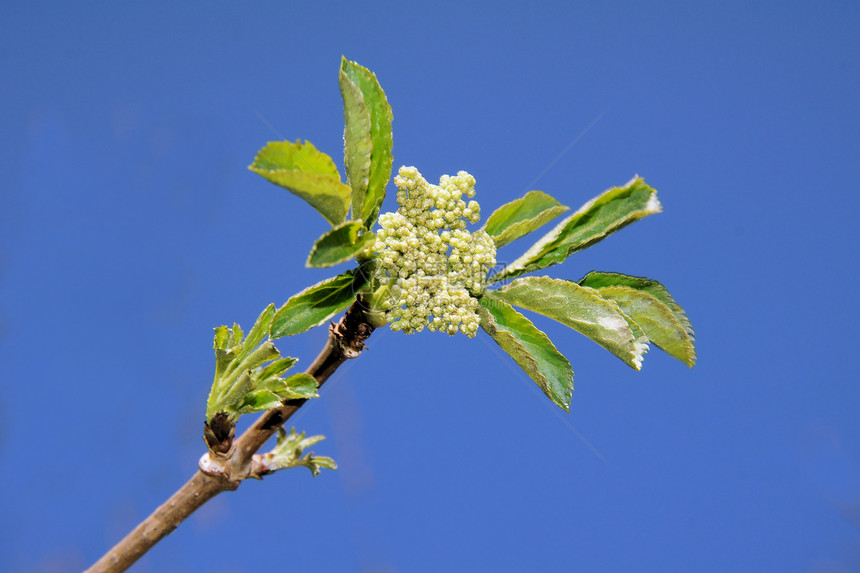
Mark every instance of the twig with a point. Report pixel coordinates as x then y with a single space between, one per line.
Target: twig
346 340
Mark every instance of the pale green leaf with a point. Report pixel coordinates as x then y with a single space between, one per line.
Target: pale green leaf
308 173
258 332
596 279
365 206
276 368
598 218
315 463
316 304
653 308
289 452
343 242
530 348
522 216
580 308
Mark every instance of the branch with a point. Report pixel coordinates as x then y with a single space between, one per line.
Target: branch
225 472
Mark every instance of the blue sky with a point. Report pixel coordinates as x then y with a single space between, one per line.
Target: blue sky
131 227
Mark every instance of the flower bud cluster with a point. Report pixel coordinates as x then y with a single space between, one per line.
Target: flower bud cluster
431 264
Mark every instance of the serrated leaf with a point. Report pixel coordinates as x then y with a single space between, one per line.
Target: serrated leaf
530 348
522 216
258 332
307 172
316 304
258 401
316 463
301 385
276 368
665 326
341 243
596 279
258 356
365 206
580 308
236 338
603 215
289 452
357 143
222 335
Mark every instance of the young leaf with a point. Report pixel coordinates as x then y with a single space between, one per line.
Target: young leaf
522 216
367 201
596 279
247 379
651 306
275 369
580 308
306 172
301 385
259 331
340 244
257 401
316 304
530 348
289 452
601 216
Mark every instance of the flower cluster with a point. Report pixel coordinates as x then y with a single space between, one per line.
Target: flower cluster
431 264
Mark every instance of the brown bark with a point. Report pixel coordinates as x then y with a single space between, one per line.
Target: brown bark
346 340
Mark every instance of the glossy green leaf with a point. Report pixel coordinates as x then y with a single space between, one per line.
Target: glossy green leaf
522 216
343 242
308 173
366 204
653 308
357 142
316 304
598 218
530 348
580 308
596 279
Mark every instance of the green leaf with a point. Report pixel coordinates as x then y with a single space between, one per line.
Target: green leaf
530 348
301 385
259 331
522 216
580 308
316 304
289 452
258 401
276 368
306 172
367 201
596 279
357 142
343 242
316 463
598 218
649 303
